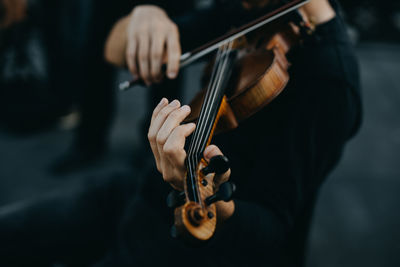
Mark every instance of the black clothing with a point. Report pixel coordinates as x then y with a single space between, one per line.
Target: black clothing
24 71
80 72
280 157
53 62
67 39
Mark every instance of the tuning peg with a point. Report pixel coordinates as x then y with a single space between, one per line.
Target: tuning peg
175 199
218 165
225 193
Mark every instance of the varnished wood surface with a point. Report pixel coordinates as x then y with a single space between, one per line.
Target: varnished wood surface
259 76
190 228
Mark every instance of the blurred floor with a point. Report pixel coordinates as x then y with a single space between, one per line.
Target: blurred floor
356 222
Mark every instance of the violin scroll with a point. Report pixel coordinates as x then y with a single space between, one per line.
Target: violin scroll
197 221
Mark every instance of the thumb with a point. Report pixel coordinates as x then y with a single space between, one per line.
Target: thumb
211 151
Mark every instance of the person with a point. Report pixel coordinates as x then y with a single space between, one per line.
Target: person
84 28
23 65
170 28
49 56
279 158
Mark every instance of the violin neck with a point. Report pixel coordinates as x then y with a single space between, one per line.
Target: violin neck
202 136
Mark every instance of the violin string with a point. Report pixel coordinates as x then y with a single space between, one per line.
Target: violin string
206 98
207 125
208 101
195 137
209 107
201 120
191 161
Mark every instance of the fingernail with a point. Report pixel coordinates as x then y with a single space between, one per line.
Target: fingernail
163 100
174 103
172 75
185 108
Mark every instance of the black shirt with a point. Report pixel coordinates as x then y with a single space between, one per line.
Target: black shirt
279 159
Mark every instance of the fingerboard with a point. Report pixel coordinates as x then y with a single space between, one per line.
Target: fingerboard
219 79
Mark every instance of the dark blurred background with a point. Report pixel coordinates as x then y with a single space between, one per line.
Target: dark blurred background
356 221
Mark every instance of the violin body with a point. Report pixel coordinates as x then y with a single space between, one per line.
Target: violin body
260 74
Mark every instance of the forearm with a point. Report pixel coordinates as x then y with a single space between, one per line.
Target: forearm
115 48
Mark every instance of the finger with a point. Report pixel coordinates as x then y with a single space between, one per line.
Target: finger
173 148
160 118
173 120
160 105
131 56
143 56
210 152
156 54
174 54
152 138
173 155
162 138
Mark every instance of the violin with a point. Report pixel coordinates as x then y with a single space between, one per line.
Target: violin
248 73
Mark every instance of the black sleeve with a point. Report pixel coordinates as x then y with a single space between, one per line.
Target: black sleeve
299 139
200 26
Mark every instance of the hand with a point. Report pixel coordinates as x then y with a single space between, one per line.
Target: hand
167 138
152 37
11 11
